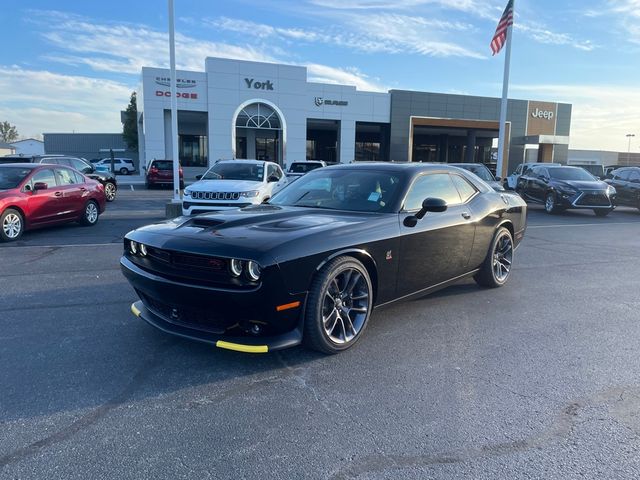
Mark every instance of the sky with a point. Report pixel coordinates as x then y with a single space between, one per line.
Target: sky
74 68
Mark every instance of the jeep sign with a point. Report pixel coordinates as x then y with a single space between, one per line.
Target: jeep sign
266 85
546 114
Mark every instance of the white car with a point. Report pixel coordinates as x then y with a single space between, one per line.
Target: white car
512 180
298 169
123 166
233 184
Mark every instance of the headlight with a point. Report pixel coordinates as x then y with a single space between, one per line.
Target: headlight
611 190
186 193
567 190
133 247
236 267
253 271
251 194
143 250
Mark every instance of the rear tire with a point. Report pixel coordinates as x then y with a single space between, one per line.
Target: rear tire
11 225
496 269
90 214
339 306
110 191
124 171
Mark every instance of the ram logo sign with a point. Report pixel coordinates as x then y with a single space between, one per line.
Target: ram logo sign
319 101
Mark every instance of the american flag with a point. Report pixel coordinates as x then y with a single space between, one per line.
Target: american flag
500 37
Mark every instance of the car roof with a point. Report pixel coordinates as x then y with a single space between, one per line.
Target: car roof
394 166
31 166
242 160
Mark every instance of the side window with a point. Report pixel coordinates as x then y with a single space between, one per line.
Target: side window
623 175
465 189
78 165
44 176
435 185
634 176
541 172
79 178
65 177
273 170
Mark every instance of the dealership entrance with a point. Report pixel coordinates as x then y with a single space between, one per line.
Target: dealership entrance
258 133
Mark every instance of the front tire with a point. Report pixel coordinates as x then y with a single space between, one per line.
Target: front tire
339 306
90 214
496 269
550 205
11 225
601 212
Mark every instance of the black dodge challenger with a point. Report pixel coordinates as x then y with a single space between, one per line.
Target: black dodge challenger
312 264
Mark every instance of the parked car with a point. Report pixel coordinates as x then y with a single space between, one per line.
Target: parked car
123 166
483 172
160 174
559 188
233 184
512 180
107 180
626 181
298 169
33 195
313 263
596 170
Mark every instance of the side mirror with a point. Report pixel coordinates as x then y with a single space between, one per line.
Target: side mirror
498 179
198 177
40 186
272 179
428 205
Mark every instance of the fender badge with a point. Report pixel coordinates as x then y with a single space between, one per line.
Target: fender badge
388 256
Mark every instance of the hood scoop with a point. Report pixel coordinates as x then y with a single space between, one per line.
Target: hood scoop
205 222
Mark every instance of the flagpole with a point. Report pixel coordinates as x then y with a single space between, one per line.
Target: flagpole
174 106
503 104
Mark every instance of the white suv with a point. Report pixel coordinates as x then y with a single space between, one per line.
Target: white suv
233 184
123 166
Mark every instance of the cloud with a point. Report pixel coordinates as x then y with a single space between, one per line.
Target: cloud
542 34
325 74
42 101
478 8
601 115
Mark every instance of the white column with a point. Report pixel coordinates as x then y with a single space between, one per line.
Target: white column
347 141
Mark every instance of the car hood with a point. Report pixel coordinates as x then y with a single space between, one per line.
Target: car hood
497 186
581 185
225 186
259 230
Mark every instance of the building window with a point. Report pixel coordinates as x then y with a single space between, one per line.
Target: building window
367 151
193 150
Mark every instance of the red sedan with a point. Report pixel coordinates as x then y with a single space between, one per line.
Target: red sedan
36 195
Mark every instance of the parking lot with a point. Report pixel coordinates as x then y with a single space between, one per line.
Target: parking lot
539 379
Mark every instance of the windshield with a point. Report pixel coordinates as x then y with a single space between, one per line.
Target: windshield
344 189
481 171
235 171
303 167
567 173
11 177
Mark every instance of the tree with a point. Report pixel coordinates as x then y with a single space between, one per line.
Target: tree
8 132
130 124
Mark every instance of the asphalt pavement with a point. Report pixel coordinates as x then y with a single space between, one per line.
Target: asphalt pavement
539 379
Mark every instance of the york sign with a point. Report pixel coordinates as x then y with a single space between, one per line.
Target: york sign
546 114
265 85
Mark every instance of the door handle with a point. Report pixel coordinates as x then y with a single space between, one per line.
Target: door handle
58 194
466 215
82 189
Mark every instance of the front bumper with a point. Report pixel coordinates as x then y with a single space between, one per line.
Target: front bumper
222 317
586 199
193 207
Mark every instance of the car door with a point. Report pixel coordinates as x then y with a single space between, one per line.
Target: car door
537 182
44 204
71 200
619 182
438 247
632 194
274 170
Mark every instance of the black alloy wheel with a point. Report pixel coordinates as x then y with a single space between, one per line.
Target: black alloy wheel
90 214
496 269
110 191
339 306
11 225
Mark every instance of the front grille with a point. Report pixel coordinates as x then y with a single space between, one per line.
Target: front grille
186 260
187 316
593 199
215 195
214 204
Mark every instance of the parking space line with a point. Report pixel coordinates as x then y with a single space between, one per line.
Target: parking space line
582 225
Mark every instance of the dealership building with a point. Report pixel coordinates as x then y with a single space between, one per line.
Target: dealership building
240 109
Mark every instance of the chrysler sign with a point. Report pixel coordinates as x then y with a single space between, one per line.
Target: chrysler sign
180 83
319 101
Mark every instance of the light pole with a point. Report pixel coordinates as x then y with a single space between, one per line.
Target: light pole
629 136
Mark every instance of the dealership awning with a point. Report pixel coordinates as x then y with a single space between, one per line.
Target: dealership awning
541 139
